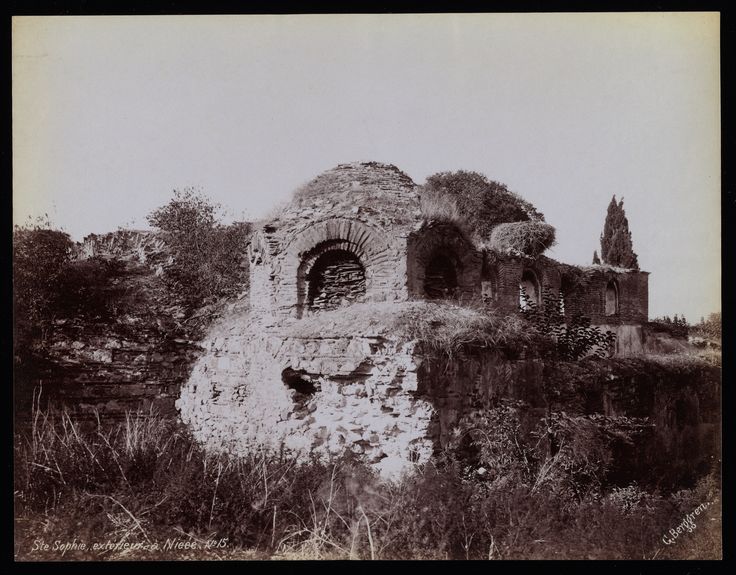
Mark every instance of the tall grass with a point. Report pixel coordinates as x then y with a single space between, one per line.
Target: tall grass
143 480
446 327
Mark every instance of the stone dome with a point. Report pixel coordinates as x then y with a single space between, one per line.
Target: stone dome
376 193
357 177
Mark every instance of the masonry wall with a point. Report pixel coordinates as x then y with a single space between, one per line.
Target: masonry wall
506 273
100 370
282 260
682 407
447 242
633 298
261 388
135 359
588 297
381 398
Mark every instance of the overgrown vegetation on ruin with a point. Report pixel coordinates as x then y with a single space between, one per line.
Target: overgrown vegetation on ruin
207 256
568 340
472 198
494 493
51 285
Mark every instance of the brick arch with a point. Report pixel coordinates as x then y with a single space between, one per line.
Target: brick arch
306 246
442 245
531 280
341 250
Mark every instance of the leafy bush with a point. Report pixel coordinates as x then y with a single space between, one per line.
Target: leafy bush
41 258
90 288
677 327
571 339
208 258
522 238
480 202
710 328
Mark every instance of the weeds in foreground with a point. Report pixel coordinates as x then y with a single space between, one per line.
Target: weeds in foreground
144 483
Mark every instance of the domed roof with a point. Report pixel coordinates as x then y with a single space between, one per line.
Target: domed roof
357 176
375 193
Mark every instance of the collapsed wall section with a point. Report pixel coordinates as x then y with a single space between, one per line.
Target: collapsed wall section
266 389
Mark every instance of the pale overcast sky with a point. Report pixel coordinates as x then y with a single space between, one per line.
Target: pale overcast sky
110 114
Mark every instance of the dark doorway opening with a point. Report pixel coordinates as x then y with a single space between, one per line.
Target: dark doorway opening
440 277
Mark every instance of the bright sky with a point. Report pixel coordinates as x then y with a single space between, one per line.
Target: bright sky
110 114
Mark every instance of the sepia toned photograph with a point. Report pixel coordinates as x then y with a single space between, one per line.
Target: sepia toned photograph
367 287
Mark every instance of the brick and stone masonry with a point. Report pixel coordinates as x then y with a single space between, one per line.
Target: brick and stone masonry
278 375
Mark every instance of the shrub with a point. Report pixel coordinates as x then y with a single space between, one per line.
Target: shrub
208 258
90 288
710 328
572 338
522 238
677 327
41 258
480 202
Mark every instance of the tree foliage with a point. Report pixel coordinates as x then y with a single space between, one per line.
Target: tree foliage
480 202
616 245
676 326
41 258
596 259
50 284
710 328
208 258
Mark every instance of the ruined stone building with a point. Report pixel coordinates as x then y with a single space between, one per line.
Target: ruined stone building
315 362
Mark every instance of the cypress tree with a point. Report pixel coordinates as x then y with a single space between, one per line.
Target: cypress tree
616 245
596 259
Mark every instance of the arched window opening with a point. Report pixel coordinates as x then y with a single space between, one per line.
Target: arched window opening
440 277
337 278
529 286
611 298
489 284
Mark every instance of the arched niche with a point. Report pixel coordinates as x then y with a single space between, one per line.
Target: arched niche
529 285
442 263
330 276
611 298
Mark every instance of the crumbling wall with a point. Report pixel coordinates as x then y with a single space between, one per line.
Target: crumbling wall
100 369
313 386
506 273
585 295
136 357
632 290
263 388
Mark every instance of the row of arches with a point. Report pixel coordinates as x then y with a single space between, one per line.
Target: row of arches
334 273
530 291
